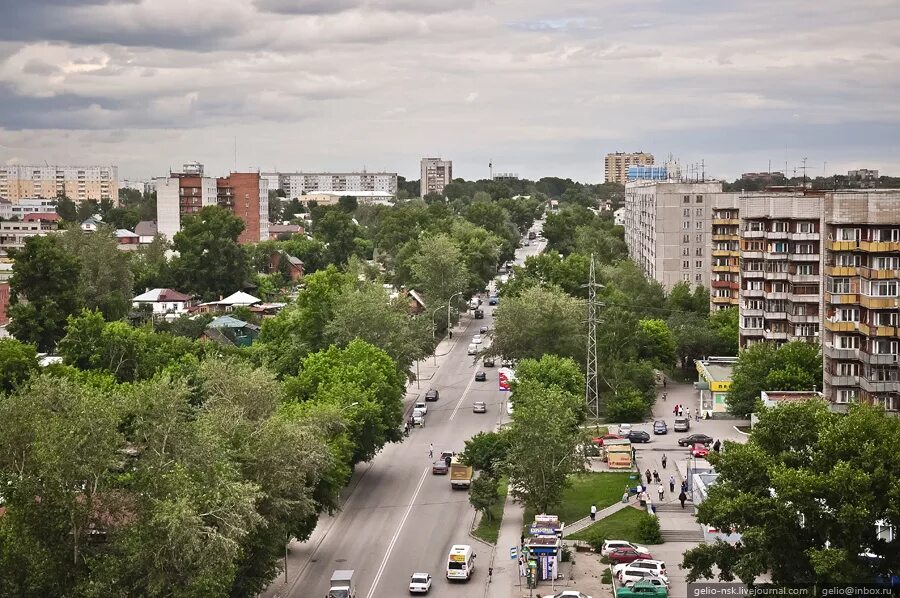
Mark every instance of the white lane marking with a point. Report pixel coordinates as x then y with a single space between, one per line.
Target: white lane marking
461 399
390 547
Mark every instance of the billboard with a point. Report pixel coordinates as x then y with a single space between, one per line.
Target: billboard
506 375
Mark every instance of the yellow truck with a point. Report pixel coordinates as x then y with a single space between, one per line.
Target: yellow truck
460 475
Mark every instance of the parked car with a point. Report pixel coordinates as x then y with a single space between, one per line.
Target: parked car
421 405
662 582
419 583
479 314
493 300
657 568
473 349
660 427
642 589
694 439
638 436
626 555
507 363
610 545
432 394
479 407
483 330
439 467
488 362
571 594
598 440
624 429
632 575
700 450
477 339
480 376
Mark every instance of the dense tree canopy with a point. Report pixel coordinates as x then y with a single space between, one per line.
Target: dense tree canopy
792 366
538 322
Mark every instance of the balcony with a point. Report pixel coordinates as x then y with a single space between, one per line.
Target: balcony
841 326
726 221
772 256
776 315
842 245
831 352
730 268
725 253
776 275
753 274
751 332
802 278
805 298
877 302
724 300
837 380
752 312
873 274
803 319
875 330
804 236
878 358
731 237
878 386
777 335
841 298
752 255
776 295
725 284
752 234
772 234
804 257
879 246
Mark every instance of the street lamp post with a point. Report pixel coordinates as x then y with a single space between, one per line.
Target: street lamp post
449 303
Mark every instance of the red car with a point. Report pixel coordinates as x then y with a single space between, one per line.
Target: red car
627 555
599 441
699 450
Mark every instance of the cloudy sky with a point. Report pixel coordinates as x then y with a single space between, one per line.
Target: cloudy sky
540 87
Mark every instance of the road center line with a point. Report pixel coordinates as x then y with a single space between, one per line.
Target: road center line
462 398
390 548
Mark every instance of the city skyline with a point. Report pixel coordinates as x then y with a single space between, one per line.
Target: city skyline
541 91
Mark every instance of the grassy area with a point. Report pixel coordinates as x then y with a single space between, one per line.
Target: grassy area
488 530
622 525
601 489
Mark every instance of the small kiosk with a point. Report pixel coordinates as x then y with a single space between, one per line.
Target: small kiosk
617 453
542 549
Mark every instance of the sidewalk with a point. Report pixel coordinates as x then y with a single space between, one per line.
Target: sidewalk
505 582
583 523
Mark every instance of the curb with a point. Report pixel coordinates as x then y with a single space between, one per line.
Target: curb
739 431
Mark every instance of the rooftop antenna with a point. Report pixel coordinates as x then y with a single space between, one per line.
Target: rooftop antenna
703 169
804 171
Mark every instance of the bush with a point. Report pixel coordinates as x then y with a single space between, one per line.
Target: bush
648 530
626 407
607 576
566 554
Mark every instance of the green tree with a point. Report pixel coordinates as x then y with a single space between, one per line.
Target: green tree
550 371
792 366
105 279
438 269
684 298
486 451
656 343
348 203
210 262
546 418
626 406
335 228
43 291
725 322
540 321
491 216
66 209
485 494
150 267
804 499
559 227
18 362
480 251
696 337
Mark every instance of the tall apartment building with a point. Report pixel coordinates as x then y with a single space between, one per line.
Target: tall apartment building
436 173
188 192
616 166
296 184
79 183
781 270
725 278
862 297
668 225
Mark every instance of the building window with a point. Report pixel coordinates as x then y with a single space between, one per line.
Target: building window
686 277
846 395
883 288
686 225
805 227
699 212
699 238
806 269
699 199
699 252
754 285
698 264
686 251
779 226
686 239
847 234
888 402
846 341
686 264
687 199
847 314
686 213
753 323
755 226
883 346
778 247
699 225
806 330
698 278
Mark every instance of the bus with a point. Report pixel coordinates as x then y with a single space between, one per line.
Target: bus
460 562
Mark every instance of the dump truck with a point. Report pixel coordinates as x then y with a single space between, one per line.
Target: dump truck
342 584
460 475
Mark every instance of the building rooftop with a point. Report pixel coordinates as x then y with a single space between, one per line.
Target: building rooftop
154 295
146 228
716 369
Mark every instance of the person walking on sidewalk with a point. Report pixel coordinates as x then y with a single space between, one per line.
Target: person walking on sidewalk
717 445
661 491
656 476
664 381
664 460
649 477
431 451
682 497
672 484
689 413
593 512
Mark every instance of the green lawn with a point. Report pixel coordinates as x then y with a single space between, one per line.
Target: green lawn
489 530
601 489
621 525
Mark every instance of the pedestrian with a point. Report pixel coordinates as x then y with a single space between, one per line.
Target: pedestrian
684 486
661 491
689 413
625 497
431 450
490 573
447 461
522 542
680 411
675 410
649 478
672 484
716 446
682 497
664 460
593 512
451 335
664 381
655 476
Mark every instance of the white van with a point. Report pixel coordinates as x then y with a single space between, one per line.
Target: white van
460 562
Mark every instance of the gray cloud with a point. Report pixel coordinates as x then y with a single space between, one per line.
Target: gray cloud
306 7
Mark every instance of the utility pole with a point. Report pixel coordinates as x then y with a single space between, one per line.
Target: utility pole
591 389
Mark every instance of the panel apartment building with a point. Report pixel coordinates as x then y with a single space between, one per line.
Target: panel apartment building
184 193
668 229
78 183
616 165
436 173
296 184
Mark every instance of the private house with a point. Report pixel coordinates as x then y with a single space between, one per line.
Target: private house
227 330
279 232
146 231
91 224
229 303
282 261
127 240
164 302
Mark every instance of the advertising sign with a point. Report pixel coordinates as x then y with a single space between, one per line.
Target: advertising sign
506 375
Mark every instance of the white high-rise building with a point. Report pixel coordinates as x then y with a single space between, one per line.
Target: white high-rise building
436 174
78 183
296 184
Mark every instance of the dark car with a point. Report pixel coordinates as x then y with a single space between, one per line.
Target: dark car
479 314
638 436
660 427
480 377
493 300
626 555
483 330
488 362
439 467
432 395
695 439
508 363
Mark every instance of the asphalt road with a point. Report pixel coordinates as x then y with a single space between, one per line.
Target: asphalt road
400 518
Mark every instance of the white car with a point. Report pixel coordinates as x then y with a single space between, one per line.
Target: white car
423 406
610 545
661 582
473 349
653 567
624 429
419 583
571 594
477 339
633 574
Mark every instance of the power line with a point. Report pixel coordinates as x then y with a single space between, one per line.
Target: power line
591 388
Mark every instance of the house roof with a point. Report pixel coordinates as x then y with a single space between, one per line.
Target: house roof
45 216
122 233
226 322
275 229
418 298
146 228
239 298
783 396
160 295
293 260
91 220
